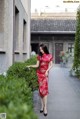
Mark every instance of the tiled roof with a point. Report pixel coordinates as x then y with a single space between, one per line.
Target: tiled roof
52 25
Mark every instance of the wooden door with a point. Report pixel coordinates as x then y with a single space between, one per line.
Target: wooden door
58 49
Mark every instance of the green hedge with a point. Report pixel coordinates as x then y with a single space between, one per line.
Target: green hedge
19 70
16 91
76 63
18 111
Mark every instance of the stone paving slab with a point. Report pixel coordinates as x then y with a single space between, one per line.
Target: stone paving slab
63 98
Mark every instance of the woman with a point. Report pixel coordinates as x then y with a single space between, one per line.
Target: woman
44 62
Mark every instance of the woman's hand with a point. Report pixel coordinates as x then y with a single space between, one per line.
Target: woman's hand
46 73
28 66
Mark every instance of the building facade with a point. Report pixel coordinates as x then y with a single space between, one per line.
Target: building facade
56 30
14 32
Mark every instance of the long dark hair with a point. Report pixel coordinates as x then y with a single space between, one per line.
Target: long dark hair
44 48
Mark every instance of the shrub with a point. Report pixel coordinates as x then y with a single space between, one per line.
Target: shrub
18 111
19 70
16 98
76 64
16 91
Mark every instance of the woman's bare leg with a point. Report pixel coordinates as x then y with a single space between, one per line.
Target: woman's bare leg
45 104
42 103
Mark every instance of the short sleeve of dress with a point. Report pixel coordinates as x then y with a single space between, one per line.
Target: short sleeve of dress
38 57
51 57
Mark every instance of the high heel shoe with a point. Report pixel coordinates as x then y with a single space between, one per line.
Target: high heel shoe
45 114
41 111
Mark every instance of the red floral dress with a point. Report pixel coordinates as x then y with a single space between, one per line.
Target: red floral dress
42 78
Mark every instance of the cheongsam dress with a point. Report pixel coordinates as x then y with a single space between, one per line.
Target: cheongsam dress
42 78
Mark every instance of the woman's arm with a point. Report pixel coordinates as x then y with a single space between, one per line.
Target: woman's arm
50 66
34 66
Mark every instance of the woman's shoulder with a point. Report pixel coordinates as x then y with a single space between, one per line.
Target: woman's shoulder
50 56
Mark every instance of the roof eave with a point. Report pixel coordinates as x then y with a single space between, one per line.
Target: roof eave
53 32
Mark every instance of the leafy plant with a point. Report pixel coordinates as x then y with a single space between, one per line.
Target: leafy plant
76 64
20 70
16 97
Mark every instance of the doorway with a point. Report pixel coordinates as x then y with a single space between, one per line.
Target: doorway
35 47
58 49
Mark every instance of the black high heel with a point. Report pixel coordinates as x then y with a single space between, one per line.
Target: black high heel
45 114
41 111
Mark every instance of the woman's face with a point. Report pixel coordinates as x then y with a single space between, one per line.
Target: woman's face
41 50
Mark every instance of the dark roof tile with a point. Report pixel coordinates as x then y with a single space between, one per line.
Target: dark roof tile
53 25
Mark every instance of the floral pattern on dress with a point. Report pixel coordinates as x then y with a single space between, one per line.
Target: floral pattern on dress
42 79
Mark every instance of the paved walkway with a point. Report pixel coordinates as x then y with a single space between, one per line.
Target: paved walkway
64 96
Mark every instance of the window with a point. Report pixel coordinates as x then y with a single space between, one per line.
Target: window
70 47
24 35
16 43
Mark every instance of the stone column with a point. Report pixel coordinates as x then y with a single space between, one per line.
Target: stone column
28 29
8 33
53 48
65 46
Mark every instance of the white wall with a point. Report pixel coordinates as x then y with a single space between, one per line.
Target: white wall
27 6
